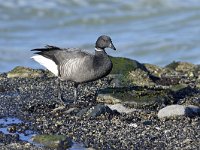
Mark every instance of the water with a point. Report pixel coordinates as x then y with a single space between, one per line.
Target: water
27 136
6 122
150 31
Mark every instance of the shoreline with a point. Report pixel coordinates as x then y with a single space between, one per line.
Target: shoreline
139 93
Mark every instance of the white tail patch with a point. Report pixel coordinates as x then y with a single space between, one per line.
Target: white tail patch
47 63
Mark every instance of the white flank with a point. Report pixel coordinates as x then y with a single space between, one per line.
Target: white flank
48 63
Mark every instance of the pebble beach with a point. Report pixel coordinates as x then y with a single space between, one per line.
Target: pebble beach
91 123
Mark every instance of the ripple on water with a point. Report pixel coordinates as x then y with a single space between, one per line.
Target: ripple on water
163 28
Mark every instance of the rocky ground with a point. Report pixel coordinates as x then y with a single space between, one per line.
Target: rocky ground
138 106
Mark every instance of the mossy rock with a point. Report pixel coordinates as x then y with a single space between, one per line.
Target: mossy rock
181 66
130 72
154 70
142 98
24 72
140 78
178 87
108 99
53 141
124 65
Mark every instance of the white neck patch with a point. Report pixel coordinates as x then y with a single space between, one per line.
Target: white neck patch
98 50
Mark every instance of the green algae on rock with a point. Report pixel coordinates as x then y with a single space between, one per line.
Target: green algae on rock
154 70
53 141
108 99
127 69
181 66
25 72
140 78
178 87
124 65
136 98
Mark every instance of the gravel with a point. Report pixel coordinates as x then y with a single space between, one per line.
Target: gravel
34 100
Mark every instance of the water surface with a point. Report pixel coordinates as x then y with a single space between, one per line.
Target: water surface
150 31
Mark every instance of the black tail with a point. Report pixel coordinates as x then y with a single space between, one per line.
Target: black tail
47 48
48 52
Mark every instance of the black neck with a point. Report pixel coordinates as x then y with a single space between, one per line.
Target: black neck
99 51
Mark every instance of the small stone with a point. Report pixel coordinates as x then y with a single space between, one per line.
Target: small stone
147 122
176 110
27 145
157 128
58 109
99 110
95 111
187 141
167 131
133 125
194 109
12 129
121 109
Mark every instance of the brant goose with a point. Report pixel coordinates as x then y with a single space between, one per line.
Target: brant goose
75 65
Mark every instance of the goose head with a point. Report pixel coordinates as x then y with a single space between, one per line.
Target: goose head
103 42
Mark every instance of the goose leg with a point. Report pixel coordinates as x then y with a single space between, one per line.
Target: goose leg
60 97
75 92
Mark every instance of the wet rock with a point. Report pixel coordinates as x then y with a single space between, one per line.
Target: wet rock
178 87
83 112
108 99
154 70
12 129
53 141
190 100
121 109
140 78
184 69
116 80
2 89
147 122
142 98
100 109
178 110
182 92
195 109
60 108
95 111
24 72
168 81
